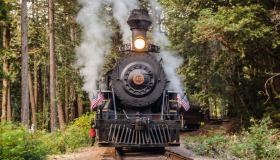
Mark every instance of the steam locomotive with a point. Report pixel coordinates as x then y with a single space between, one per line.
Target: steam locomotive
138 111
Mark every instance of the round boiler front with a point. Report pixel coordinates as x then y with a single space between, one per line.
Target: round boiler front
138 80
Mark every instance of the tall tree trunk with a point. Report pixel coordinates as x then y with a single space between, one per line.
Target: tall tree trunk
72 103
72 33
1 37
40 98
24 65
66 102
45 93
80 106
73 30
5 97
52 66
60 115
69 90
7 40
32 100
1 46
36 87
4 92
9 108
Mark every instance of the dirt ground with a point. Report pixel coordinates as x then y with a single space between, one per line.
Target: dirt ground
87 153
94 153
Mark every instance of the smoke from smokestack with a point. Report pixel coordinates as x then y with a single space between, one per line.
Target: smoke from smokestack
96 36
171 59
121 11
96 40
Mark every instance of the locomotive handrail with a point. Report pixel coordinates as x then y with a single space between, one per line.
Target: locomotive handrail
149 116
125 114
183 91
114 103
162 105
104 91
137 115
168 91
144 114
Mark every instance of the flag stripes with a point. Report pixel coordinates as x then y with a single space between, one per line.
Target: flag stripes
183 102
97 100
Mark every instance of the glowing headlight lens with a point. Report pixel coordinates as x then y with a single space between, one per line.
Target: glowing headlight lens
139 43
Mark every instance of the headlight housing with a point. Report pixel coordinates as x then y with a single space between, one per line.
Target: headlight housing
139 43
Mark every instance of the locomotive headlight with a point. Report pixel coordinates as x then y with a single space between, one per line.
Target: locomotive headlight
139 43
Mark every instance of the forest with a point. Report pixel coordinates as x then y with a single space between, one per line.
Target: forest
231 62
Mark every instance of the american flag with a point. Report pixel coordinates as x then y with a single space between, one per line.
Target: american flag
183 102
97 100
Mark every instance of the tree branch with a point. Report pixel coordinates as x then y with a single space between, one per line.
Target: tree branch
266 84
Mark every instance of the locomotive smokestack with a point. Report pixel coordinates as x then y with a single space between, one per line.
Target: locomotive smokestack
139 22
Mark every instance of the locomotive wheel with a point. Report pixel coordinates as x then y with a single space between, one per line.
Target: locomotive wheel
138 80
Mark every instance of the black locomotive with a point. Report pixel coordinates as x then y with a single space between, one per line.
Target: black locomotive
138 110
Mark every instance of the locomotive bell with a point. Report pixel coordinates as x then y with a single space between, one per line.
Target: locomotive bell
139 22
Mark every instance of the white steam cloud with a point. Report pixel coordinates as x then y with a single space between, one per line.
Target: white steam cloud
121 12
171 59
96 40
96 36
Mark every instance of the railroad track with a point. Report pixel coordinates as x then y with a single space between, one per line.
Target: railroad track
141 154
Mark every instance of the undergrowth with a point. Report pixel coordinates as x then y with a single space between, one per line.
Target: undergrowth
18 143
257 142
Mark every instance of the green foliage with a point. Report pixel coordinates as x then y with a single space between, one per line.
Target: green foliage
208 145
3 11
258 142
230 49
18 143
84 121
74 136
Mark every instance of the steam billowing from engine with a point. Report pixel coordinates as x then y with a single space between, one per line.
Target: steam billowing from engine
171 59
96 40
121 11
